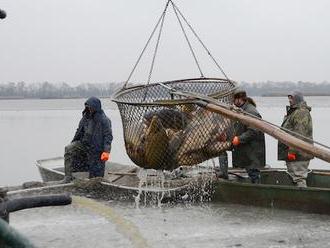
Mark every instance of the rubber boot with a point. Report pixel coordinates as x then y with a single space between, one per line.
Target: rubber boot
301 184
67 169
254 175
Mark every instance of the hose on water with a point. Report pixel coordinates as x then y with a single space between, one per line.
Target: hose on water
38 201
13 205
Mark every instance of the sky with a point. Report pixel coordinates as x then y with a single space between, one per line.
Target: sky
98 41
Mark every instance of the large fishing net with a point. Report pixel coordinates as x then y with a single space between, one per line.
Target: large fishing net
162 131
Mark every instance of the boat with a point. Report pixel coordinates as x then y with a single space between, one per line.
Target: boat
125 182
199 183
276 190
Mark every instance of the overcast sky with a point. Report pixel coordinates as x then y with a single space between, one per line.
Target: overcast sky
79 41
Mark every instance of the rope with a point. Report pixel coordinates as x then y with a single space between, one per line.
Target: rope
157 43
145 47
193 31
186 37
155 52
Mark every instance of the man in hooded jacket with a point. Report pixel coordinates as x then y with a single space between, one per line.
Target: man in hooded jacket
249 150
298 120
91 144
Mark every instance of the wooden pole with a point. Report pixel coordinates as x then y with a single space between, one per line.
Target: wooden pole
265 127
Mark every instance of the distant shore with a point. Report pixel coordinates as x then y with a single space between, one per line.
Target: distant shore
45 98
103 97
284 95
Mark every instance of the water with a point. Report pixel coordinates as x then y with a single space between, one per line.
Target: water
206 225
37 129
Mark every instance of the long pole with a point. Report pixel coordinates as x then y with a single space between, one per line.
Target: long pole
265 127
217 107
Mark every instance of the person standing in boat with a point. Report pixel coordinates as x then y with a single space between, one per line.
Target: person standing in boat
298 120
91 144
248 143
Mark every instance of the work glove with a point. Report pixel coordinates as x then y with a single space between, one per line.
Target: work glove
292 156
236 141
105 156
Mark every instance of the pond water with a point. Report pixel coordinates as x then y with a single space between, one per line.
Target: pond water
38 129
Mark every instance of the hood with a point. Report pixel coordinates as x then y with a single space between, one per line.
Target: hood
303 105
297 97
94 103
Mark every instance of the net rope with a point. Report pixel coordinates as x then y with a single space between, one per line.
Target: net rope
164 131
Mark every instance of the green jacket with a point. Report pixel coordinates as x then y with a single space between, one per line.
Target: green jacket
298 119
250 153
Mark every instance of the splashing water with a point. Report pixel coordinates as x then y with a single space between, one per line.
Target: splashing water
150 180
193 185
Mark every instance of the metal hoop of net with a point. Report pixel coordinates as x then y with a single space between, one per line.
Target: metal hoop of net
162 131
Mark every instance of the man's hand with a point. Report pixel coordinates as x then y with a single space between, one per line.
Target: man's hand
105 156
236 141
292 156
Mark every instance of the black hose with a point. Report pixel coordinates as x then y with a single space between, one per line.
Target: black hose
2 14
33 202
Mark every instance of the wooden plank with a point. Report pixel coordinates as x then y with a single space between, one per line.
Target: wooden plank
114 176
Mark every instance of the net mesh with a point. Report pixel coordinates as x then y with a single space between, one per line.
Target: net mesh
161 131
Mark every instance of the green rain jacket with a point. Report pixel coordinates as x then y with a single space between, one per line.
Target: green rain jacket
298 120
250 153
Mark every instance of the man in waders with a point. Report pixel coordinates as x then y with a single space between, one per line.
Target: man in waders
248 143
91 145
298 120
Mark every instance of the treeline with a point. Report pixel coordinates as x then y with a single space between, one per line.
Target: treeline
270 88
64 90
52 90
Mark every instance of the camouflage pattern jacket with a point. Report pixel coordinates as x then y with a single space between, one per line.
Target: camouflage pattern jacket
250 153
298 120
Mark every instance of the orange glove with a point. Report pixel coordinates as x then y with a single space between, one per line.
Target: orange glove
105 156
236 141
292 156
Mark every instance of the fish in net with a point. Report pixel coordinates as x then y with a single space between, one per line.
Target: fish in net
160 132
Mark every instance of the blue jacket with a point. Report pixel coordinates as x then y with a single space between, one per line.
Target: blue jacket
94 130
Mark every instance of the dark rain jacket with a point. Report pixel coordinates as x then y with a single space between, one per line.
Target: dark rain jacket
94 130
298 119
250 153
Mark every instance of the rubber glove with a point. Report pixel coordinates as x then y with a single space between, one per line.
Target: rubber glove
291 156
236 141
105 156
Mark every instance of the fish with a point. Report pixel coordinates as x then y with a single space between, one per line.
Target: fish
156 144
170 118
200 140
147 145
134 142
151 144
